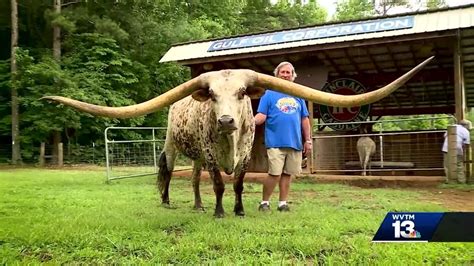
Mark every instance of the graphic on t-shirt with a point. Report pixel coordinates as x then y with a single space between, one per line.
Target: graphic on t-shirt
287 105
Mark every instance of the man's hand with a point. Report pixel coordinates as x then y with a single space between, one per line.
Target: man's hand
260 119
307 147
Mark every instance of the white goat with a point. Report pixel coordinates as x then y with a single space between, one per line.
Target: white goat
366 149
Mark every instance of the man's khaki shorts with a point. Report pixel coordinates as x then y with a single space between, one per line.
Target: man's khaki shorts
284 160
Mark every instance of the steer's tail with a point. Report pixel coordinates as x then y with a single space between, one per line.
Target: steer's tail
164 174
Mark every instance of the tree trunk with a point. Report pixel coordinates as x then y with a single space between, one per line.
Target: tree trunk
57 33
16 155
57 56
56 151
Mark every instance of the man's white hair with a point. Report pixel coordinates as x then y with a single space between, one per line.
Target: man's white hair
293 72
466 123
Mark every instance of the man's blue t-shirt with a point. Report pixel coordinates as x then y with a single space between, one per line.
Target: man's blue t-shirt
283 123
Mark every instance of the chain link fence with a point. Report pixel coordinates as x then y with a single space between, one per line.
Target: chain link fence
74 154
413 151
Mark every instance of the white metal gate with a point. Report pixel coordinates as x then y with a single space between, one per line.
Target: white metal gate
136 156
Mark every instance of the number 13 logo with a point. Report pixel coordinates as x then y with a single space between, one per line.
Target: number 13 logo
408 229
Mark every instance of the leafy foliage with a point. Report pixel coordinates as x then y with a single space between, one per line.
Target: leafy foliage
354 9
414 122
435 4
5 119
382 7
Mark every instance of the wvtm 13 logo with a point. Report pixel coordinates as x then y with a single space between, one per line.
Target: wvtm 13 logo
426 227
404 226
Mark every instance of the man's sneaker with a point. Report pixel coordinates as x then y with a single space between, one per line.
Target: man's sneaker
264 207
284 208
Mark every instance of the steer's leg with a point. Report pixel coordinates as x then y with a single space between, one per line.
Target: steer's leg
218 190
197 168
238 188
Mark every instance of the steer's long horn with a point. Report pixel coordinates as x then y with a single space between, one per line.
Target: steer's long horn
144 108
331 99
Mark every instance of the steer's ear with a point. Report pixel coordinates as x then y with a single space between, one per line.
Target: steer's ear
201 95
255 92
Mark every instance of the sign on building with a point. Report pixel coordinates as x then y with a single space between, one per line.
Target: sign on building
312 33
331 114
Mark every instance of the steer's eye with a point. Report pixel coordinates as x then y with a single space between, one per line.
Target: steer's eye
212 95
241 94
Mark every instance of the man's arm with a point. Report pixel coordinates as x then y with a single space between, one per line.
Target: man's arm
308 143
260 118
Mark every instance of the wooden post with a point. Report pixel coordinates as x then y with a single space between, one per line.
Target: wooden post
41 158
311 117
60 154
459 94
452 154
470 177
467 162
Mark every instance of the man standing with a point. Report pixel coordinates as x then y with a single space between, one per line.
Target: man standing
462 139
285 117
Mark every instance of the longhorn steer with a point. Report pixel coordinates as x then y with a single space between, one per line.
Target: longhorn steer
215 128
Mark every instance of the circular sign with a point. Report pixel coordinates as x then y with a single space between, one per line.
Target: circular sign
331 114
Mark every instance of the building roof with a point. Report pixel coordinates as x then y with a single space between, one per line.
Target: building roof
323 34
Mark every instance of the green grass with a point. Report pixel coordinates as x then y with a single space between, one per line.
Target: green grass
70 216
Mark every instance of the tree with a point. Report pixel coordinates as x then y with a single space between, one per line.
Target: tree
261 15
16 157
354 9
435 4
256 17
57 57
291 15
382 7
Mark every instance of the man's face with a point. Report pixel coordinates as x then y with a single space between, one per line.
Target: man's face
285 73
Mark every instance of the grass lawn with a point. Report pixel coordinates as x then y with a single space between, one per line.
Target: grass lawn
71 216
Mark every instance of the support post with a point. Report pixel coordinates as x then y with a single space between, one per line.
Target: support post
459 94
467 162
470 177
60 154
310 157
452 154
41 157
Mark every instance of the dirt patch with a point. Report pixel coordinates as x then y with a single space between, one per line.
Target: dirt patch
364 183
360 181
452 199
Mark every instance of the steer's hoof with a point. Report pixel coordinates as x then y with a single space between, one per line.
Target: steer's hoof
199 209
219 215
240 213
167 205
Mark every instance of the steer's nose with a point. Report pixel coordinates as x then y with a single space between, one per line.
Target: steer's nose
226 122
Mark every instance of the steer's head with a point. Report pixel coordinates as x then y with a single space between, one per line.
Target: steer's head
228 93
226 86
